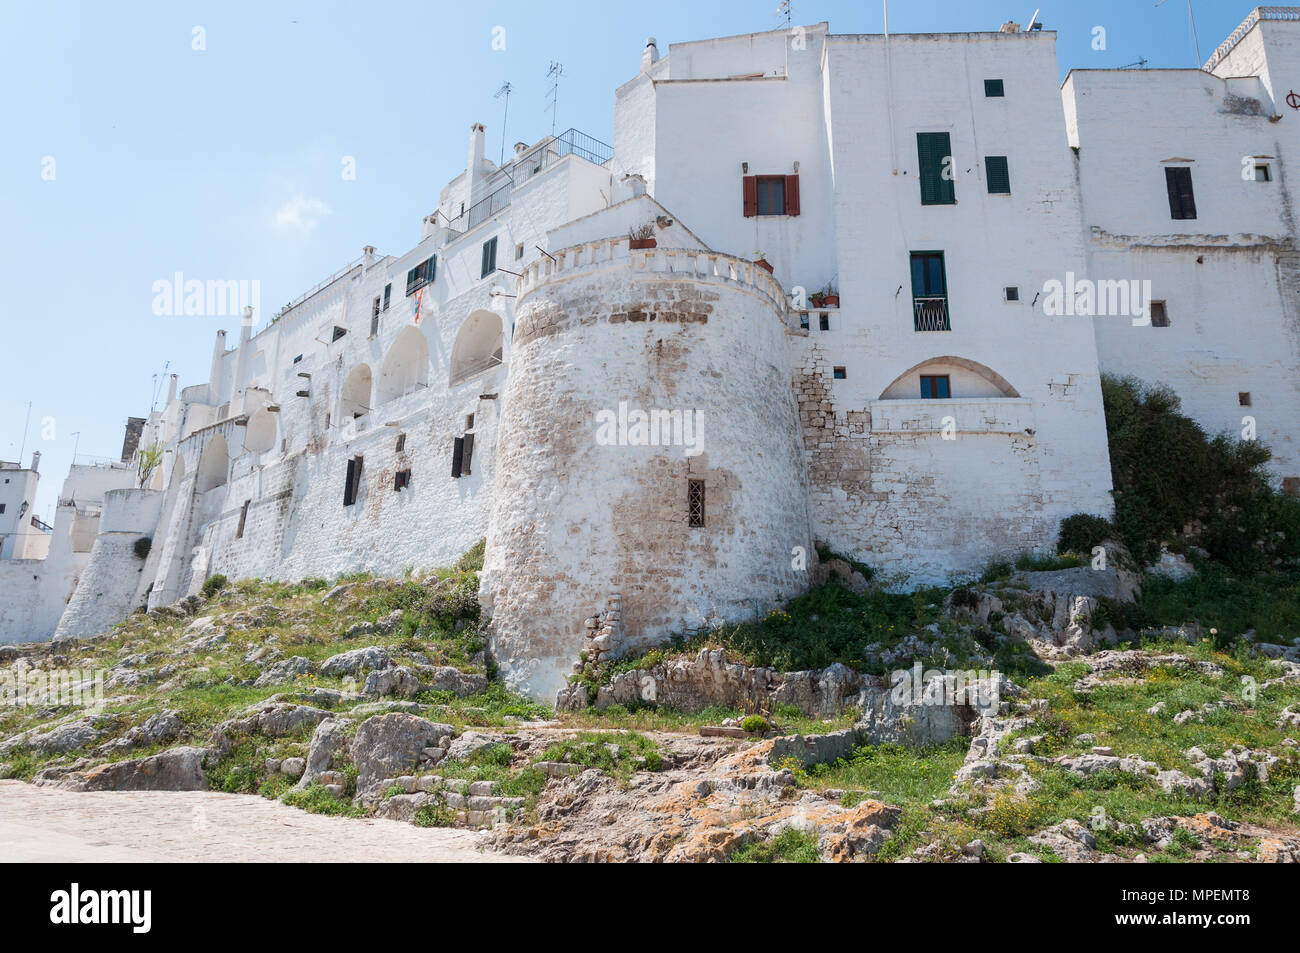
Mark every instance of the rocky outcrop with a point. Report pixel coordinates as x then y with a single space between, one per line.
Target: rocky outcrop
176 769
394 744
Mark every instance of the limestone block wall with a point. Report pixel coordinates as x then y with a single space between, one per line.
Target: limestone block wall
107 590
577 516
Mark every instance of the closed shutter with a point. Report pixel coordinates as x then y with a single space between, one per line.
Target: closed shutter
467 454
410 279
933 148
432 269
457 452
350 483
999 176
388 292
489 257
792 195
1182 203
750 192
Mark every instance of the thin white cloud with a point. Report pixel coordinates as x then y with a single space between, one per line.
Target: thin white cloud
301 213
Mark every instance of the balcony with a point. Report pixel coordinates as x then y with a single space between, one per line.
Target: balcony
931 314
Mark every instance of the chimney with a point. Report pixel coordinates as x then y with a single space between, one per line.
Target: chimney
214 376
36 461
650 55
474 170
520 149
367 256
171 389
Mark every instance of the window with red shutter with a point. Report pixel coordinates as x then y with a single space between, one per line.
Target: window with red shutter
750 190
792 195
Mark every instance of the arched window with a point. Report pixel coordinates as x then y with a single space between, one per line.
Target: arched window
214 463
478 346
940 377
405 368
259 435
356 394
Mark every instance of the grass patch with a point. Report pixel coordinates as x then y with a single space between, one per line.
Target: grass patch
791 846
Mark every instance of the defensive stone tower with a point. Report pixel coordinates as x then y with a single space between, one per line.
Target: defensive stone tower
649 447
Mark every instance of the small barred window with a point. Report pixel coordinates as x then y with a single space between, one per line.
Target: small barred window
695 502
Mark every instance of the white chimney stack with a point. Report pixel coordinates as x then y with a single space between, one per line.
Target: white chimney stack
36 461
650 55
214 376
171 389
474 169
367 256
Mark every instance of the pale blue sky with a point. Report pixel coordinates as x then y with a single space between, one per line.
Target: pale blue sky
170 159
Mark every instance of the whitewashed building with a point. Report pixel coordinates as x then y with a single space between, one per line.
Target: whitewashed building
821 288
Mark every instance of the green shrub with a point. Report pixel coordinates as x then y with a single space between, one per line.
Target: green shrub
142 547
1081 532
755 723
472 561
213 584
1168 474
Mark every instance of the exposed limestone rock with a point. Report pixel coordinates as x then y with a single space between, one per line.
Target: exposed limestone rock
387 744
176 769
285 670
370 658
327 742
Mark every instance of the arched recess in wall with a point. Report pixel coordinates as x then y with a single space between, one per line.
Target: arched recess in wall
966 378
214 463
259 435
478 346
355 401
405 367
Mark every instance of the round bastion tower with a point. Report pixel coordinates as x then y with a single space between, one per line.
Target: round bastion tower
650 468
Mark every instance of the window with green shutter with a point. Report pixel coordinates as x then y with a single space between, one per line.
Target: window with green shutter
489 257
999 177
934 152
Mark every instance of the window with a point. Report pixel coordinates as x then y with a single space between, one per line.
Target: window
519 251
1159 316
461 454
929 291
999 178
421 275
993 88
469 421
374 317
353 482
401 480
934 387
401 442
695 502
934 153
243 518
1182 203
1011 293
388 293
838 373
489 257
338 333
297 359
824 321
2 506
1243 398
803 320
1262 173
770 195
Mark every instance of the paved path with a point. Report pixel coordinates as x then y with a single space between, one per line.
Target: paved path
48 824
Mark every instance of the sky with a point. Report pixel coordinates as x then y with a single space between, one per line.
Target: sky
215 139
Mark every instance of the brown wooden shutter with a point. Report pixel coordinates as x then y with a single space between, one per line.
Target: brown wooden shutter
457 452
751 195
792 195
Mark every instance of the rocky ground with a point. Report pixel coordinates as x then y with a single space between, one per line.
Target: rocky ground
1036 731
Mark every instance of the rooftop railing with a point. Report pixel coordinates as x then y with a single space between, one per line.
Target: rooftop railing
1259 13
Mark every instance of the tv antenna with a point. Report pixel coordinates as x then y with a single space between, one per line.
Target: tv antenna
786 9
1140 64
554 74
504 92
1191 18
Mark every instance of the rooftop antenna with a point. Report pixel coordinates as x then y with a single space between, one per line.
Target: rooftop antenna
554 74
785 8
1140 64
1033 21
23 447
1191 17
504 91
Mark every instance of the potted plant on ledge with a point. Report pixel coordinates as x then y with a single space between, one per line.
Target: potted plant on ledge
760 259
642 236
830 298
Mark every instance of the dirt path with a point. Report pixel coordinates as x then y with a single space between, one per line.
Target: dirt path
47 824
